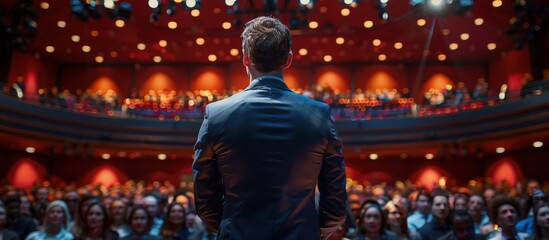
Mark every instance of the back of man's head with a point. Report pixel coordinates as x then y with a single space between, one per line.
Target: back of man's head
267 42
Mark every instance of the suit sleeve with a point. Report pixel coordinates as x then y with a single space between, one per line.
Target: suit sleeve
331 185
208 186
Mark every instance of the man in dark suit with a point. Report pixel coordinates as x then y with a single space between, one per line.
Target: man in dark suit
261 153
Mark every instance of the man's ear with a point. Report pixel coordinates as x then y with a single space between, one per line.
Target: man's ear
289 60
246 59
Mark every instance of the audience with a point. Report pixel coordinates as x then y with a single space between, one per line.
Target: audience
56 223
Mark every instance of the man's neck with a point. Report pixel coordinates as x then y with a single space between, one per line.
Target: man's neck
253 73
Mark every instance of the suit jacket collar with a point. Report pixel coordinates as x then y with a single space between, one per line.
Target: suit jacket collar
269 82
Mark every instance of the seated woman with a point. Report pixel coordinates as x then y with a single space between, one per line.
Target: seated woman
174 226
372 223
396 220
141 222
541 221
56 223
97 225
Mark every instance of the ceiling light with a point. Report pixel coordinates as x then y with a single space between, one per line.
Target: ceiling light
327 58
108 4
162 43
497 3
44 5
303 52
114 54
119 23
226 25
446 32
382 57
313 24
234 52
141 46
441 57
500 150
453 46
94 33
172 25
464 36
157 59
105 156
429 156
230 3
212 57
50 49
154 3
376 42
398 45
61 24
491 46
345 12
30 149
190 3
537 144
368 24
99 59
421 22
373 156
200 41
162 156
86 48
75 38
340 40
195 12
479 21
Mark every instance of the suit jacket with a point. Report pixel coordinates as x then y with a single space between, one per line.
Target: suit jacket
258 158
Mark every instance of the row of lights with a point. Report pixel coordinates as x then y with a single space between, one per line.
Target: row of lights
430 156
372 156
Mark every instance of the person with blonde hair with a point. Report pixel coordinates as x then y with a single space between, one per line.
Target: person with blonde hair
56 223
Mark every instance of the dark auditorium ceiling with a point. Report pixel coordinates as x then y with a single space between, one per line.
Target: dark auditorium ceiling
399 39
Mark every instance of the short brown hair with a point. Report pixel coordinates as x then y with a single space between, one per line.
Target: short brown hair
267 42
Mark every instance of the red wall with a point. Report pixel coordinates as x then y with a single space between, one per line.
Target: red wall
510 69
162 78
96 78
374 77
36 73
23 168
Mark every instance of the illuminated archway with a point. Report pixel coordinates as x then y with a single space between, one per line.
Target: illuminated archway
25 173
505 170
429 176
381 80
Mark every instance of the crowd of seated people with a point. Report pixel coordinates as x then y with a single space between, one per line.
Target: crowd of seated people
136 210
88 101
358 104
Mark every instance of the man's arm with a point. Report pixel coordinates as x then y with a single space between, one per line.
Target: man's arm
331 185
208 186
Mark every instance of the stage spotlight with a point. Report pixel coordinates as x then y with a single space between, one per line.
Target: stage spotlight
307 3
192 4
230 3
381 7
350 3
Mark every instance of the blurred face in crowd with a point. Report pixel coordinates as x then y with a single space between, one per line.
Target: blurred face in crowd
151 204
139 221
489 195
423 205
176 214
462 228
42 195
460 204
95 217
441 207
372 220
85 206
118 210
507 216
25 206
56 216
543 217
394 217
533 185
475 206
13 209
184 200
